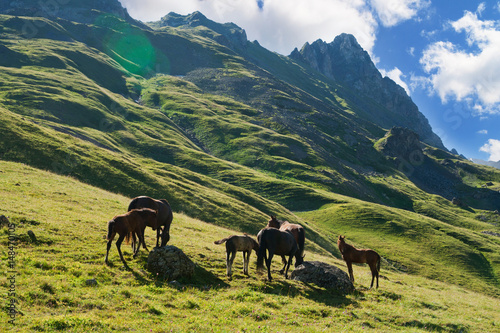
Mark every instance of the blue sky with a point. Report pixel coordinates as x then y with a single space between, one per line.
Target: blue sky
446 54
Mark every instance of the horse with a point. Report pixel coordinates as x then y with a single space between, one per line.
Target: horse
297 231
278 242
164 216
351 254
236 243
125 225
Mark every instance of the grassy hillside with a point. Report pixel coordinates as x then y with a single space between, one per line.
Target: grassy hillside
69 221
230 136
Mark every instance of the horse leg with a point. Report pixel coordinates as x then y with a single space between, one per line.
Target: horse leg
108 246
288 266
268 264
140 235
246 260
373 268
118 244
229 262
283 258
158 235
349 267
284 262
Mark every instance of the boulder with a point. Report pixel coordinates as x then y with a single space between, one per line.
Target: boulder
4 220
170 263
323 275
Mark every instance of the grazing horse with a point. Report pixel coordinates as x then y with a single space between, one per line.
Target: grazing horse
351 254
164 216
125 225
278 242
236 243
297 231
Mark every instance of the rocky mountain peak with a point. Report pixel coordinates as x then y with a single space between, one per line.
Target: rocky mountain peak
345 61
229 33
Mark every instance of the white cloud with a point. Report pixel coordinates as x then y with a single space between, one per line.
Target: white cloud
473 73
482 132
492 147
282 25
397 76
392 12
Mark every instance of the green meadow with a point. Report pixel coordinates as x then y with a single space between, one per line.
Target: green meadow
69 220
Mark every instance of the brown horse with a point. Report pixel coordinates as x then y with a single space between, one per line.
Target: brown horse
164 216
125 225
278 242
351 254
236 243
297 231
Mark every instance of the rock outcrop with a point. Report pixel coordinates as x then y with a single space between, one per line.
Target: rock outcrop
402 143
170 263
323 275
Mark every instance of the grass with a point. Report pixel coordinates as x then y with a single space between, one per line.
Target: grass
69 221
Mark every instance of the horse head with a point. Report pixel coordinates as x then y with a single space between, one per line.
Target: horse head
273 223
341 243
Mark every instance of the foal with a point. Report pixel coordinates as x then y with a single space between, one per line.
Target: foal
351 254
236 243
128 224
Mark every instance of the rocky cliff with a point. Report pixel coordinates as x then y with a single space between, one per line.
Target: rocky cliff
345 61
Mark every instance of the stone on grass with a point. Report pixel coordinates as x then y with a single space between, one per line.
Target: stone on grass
170 263
323 275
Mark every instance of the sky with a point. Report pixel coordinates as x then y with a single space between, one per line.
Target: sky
446 54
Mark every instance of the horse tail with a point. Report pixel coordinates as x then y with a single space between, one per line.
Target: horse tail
261 253
378 264
111 229
128 236
301 242
221 241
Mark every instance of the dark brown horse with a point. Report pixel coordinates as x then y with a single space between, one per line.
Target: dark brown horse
351 254
133 222
164 216
278 242
236 243
297 231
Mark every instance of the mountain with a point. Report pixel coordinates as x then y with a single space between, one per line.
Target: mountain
87 11
189 110
345 61
490 163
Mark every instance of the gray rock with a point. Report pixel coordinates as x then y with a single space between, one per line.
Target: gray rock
4 220
91 282
323 275
170 263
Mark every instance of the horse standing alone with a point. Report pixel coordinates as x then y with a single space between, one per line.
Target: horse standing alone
125 225
236 243
277 242
164 216
351 254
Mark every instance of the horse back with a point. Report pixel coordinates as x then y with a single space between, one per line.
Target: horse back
360 256
143 202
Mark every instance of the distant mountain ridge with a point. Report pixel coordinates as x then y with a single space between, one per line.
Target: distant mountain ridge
489 163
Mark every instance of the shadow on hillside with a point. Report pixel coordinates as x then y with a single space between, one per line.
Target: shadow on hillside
327 297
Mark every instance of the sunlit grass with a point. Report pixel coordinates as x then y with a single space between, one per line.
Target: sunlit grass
69 221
